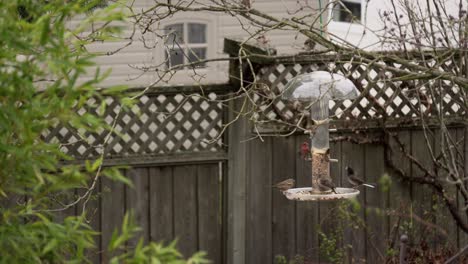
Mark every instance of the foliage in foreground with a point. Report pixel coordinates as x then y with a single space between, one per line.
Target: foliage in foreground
41 61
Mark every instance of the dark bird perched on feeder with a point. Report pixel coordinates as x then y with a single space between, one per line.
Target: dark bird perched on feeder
326 184
285 185
354 180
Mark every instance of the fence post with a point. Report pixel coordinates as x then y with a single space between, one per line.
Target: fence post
237 170
403 248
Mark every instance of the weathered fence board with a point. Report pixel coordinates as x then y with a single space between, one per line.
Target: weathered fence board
422 144
307 214
161 203
137 201
65 198
442 215
400 190
112 212
237 173
210 211
376 200
462 138
459 140
259 203
329 222
353 155
185 208
283 213
93 218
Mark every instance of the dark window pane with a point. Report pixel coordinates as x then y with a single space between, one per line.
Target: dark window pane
197 54
342 14
196 33
174 57
175 34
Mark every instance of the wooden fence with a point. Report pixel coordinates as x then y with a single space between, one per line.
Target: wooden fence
182 202
214 193
263 226
320 232
169 139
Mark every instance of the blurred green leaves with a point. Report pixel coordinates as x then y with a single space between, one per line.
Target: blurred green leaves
150 253
41 62
385 182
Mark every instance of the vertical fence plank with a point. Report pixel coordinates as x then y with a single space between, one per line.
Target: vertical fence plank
457 137
65 198
137 201
355 238
93 218
400 190
376 203
330 225
462 137
258 234
283 216
185 208
161 204
237 173
422 195
307 213
442 215
209 211
112 212
10 201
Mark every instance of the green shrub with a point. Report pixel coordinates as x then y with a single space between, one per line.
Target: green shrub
41 60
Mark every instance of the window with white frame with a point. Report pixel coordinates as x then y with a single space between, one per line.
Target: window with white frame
185 43
348 11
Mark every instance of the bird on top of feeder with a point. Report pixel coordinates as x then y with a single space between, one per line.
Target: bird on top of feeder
354 180
326 184
285 185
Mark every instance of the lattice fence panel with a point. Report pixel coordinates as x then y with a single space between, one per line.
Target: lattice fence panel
379 97
157 124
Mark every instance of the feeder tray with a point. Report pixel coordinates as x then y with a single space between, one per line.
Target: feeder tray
306 194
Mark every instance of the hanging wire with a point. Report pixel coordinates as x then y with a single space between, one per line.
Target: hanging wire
321 20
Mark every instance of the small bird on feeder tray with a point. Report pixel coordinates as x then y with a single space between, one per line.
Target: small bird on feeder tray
326 184
354 180
285 185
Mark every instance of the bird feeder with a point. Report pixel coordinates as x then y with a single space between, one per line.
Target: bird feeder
313 92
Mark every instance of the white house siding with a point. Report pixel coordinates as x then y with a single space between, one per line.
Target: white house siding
220 26
353 33
119 63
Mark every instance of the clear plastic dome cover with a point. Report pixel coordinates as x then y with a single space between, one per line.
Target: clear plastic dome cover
312 86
